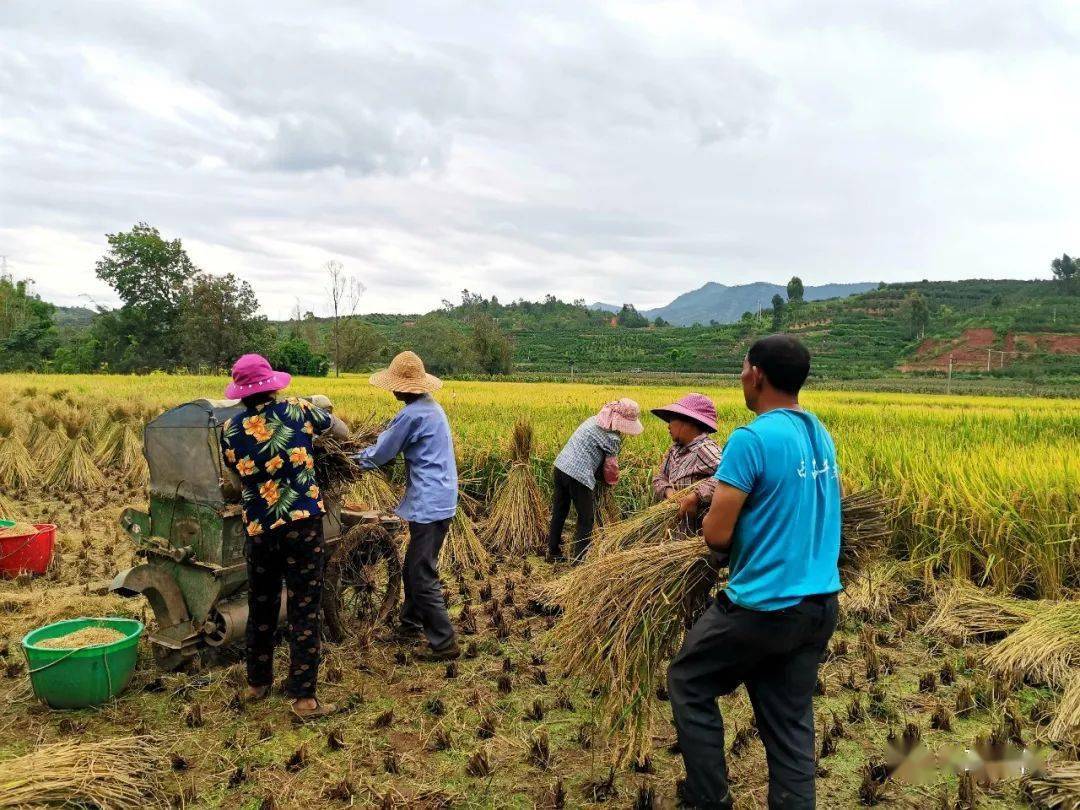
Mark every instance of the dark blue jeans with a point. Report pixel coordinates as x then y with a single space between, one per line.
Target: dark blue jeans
776 655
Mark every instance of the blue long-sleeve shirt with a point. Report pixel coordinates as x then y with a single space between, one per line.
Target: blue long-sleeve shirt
421 433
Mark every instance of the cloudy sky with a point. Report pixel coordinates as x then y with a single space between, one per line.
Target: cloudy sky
614 151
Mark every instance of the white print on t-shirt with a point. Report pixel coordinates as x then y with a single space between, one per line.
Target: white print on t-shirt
816 471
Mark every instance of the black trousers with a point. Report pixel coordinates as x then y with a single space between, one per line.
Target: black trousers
569 490
776 655
424 606
293 552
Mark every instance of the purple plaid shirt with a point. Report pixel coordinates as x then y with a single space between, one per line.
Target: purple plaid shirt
683 465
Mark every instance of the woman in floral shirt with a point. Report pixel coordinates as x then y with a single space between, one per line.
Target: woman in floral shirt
269 445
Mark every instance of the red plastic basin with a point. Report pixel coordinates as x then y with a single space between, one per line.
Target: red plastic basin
27 552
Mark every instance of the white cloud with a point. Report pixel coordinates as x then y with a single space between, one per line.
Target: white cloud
607 150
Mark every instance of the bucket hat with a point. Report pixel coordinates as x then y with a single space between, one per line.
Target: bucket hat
253 374
623 415
693 406
406 375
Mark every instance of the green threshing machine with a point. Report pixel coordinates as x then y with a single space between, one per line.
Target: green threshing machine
192 540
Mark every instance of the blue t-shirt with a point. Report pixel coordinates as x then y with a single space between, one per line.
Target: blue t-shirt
786 541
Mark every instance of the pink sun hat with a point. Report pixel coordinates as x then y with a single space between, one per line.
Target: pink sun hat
252 374
693 406
622 415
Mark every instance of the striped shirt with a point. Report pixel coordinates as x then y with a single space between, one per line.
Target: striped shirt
683 465
585 451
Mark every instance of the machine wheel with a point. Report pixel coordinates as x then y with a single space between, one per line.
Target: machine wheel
362 583
169 660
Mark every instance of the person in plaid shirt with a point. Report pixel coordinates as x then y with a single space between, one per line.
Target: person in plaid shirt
693 457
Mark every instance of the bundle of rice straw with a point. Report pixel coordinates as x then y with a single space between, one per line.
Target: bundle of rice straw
623 616
120 448
113 773
17 467
335 470
46 438
1057 787
73 470
1065 727
654 524
7 507
372 491
462 550
1045 649
966 613
607 508
517 523
864 530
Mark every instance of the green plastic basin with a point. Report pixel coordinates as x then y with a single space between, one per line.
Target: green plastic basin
75 679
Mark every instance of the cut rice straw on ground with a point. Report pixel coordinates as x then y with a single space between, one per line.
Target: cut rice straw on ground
113 773
967 613
517 523
1065 727
872 594
1057 788
623 616
463 550
1045 649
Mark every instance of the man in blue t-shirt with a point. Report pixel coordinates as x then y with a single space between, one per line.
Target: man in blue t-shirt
776 511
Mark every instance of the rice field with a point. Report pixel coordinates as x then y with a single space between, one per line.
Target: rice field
984 520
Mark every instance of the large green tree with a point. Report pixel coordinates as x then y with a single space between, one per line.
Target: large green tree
359 344
778 313
441 344
915 314
795 290
491 347
150 275
27 330
1067 270
219 321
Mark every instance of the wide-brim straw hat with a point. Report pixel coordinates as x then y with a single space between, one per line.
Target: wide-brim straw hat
622 415
252 374
406 375
696 407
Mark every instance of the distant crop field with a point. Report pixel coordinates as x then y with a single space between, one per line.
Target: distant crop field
985 487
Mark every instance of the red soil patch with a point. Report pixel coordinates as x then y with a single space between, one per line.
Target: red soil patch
974 347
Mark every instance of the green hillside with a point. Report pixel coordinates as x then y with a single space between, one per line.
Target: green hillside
865 335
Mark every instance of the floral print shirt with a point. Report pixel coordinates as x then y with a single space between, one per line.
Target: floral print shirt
270 448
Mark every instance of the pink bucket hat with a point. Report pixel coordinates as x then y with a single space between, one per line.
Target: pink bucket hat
622 415
252 374
693 406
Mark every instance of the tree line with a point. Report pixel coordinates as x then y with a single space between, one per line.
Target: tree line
174 316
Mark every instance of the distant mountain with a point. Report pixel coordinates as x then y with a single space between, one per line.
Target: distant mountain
600 305
74 316
724 304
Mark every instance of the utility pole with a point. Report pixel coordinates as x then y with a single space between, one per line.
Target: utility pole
948 380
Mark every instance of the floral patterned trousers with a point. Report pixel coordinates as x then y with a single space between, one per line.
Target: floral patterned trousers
294 553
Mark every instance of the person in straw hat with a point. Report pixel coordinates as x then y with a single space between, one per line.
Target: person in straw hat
692 459
591 453
421 433
269 446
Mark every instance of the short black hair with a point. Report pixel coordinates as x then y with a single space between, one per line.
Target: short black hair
784 359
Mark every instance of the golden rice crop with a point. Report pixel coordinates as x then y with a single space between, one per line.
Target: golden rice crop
1045 649
984 488
1065 727
966 612
73 470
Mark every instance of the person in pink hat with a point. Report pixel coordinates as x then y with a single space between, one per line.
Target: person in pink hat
690 463
269 445
591 454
